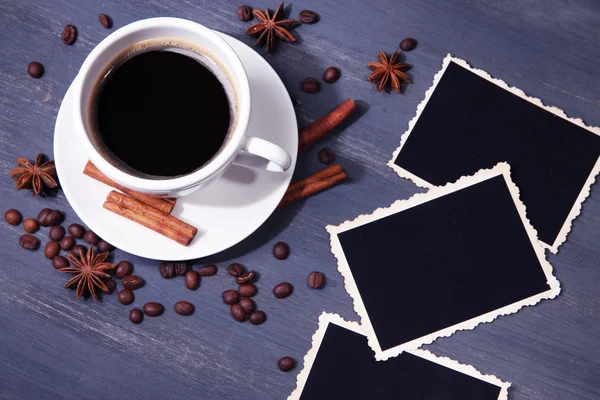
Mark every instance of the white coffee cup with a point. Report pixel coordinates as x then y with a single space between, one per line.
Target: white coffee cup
214 46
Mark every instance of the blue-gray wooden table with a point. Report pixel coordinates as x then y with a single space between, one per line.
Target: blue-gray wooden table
53 346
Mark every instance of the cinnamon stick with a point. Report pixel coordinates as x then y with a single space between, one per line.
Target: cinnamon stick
312 188
164 205
313 132
322 174
152 213
144 220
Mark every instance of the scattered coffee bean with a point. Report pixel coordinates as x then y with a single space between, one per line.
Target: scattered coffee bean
308 17
111 285
123 269
257 317
310 85
35 69
79 250
230 297
76 230
42 216
125 297
105 21
103 246
55 217
132 282
167 269
136 315
153 309
245 278
192 280
31 225
207 270
244 13
57 233
247 305
69 34
52 249
315 280
408 44
67 243
326 156
13 217
29 242
91 238
184 308
235 270
59 262
180 268
331 74
281 250
283 290
238 313
286 364
247 290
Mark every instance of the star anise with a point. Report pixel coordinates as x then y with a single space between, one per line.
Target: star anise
34 176
271 28
90 269
388 70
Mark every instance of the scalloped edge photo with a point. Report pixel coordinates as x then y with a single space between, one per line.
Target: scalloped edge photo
327 318
420 198
585 190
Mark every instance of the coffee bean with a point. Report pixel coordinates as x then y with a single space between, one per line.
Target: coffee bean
91 238
31 225
41 218
55 217
245 278
111 285
59 262
103 246
247 290
257 317
123 269
57 233
153 309
281 250
247 305
52 249
326 156
244 13
408 44
238 313
286 364
235 269
67 243
35 69
69 34
331 74
29 242
283 290
79 250
180 268
13 217
192 280
167 269
184 308
125 297
132 282
136 315
207 270
76 230
105 21
315 280
308 17
230 297
310 85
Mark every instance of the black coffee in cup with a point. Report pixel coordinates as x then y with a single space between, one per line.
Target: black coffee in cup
162 109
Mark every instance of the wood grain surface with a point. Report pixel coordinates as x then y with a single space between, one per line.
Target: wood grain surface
57 347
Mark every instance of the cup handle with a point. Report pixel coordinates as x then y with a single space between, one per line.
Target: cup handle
269 151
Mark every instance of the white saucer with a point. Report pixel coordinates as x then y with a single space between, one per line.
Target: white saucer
225 212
